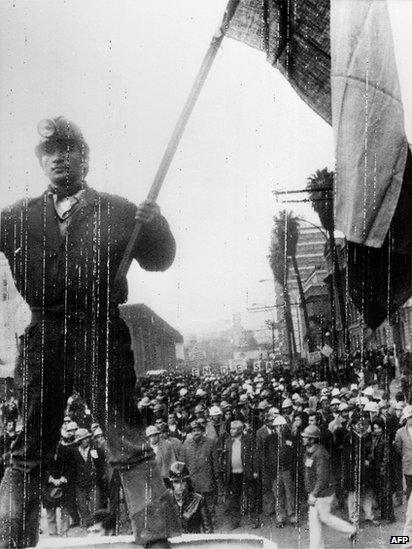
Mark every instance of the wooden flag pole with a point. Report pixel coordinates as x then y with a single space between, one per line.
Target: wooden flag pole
179 129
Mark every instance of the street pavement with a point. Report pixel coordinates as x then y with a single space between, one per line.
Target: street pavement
292 537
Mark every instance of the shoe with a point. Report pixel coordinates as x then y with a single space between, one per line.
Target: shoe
353 538
279 524
256 524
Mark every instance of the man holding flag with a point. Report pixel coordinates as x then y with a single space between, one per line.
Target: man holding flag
64 249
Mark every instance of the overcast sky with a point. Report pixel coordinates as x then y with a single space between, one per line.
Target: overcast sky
122 71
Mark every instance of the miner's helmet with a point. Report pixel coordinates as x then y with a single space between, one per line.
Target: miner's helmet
60 130
178 471
311 431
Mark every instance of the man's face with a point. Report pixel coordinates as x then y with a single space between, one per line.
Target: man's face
236 431
202 421
179 488
377 429
307 441
384 410
85 443
362 425
312 420
99 439
197 434
71 433
154 439
171 419
63 164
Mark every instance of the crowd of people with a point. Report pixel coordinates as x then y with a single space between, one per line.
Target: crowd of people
245 445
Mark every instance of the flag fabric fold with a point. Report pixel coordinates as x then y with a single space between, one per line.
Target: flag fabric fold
338 55
368 120
294 34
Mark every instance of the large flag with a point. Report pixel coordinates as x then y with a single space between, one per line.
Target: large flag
294 34
339 57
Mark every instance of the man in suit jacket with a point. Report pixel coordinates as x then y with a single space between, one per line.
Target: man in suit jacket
267 503
89 464
238 469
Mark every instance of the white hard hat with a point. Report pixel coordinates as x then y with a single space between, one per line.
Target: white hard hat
371 407
272 413
215 411
368 391
152 430
335 401
287 403
200 393
279 420
335 392
343 406
183 391
407 412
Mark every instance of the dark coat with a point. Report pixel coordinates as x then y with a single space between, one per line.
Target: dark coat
39 255
382 464
201 459
75 274
89 472
247 450
194 515
278 454
259 460
357 462
319 480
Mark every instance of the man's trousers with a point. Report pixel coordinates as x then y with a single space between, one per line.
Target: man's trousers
92 355
320 514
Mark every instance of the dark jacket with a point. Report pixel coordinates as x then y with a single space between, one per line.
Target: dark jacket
247 449
278 454
194 515
42 259
259 460
202 461
319 479
90 471
357 462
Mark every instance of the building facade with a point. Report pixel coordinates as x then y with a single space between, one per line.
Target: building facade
156 345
